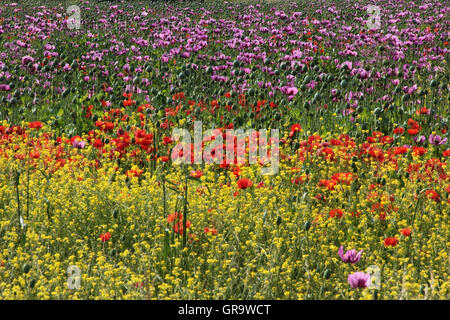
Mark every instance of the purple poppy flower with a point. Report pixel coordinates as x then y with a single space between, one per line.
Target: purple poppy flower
419 140
289 91
26 60
348 64
78 144
4 87
350 256
436 140
359 279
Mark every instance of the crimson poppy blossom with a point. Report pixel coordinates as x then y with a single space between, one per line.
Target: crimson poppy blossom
35 125
392 242
406 232
105 236
244 183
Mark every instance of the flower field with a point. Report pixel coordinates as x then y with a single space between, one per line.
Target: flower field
93 204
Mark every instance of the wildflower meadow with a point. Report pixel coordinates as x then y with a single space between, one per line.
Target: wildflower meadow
293 150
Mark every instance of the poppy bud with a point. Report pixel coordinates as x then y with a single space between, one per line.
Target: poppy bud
26 268
279 220
307 225
377 111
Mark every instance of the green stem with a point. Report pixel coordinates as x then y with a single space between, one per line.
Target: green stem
164 195
28 192
18 197
185 212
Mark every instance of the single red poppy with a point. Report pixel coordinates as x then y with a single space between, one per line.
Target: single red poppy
212 231
406 232
390 242
336 213
244 183
35 125
105 236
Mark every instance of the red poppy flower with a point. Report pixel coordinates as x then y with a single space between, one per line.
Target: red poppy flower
174 216
296 127
390 242
212 231
400 150
35 125
167 140
406 232
412 123
336 213
244 183
105 236
433 195
98 143
35 154
413 132
178 227
356 214
419 151
196 174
